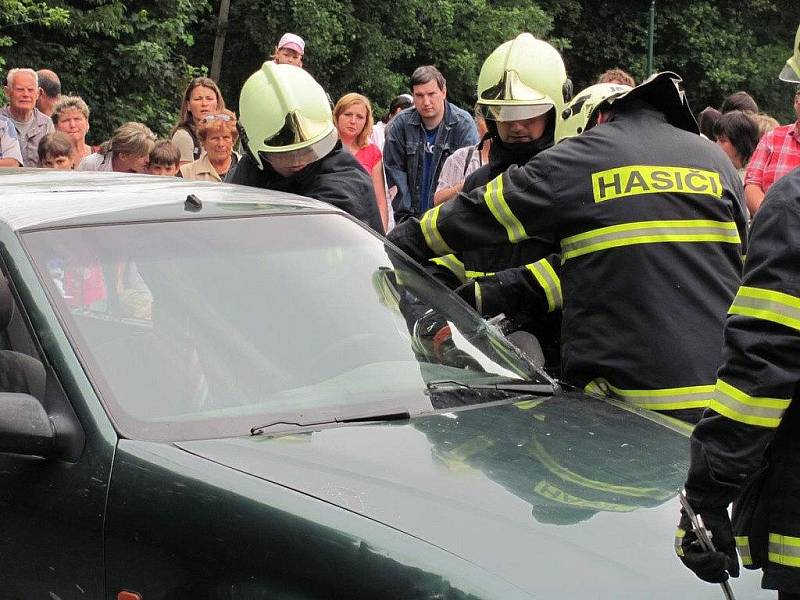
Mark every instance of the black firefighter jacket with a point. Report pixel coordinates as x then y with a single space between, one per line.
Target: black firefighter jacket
337 178
749 438
648 223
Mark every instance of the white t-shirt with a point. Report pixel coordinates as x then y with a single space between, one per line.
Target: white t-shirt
378 135
97 162
455 169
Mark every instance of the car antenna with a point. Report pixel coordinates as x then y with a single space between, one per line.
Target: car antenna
193 203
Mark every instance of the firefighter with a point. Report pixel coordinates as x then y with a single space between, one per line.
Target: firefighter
745 448
291 144
534 290
522 88
647 219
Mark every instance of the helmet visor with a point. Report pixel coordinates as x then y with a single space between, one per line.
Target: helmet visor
507 112
791 71
295 159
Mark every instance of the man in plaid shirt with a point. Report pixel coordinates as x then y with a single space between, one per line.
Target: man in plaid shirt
777 153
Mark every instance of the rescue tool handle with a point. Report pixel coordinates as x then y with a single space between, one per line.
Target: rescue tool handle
704 538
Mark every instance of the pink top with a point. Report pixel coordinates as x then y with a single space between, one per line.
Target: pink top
369 156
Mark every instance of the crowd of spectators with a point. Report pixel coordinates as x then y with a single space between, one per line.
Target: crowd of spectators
419 162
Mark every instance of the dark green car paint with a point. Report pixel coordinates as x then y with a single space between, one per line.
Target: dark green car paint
442 506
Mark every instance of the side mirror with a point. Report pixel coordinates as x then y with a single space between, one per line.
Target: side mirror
25 427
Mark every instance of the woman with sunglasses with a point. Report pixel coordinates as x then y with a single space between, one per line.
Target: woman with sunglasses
217 135
201 98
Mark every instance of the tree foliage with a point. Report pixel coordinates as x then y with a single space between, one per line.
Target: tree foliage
126 59
717 46
372 47
131 60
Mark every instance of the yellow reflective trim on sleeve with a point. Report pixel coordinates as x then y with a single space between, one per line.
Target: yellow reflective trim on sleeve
549 463
743 546
648 232
767 305
738 406
502 213
433 238
634 180
478 298
784 550
556 494
476 274
697 396
452 264
544 273
679 535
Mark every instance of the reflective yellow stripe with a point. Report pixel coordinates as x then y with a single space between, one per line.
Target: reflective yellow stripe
767 305
476 274
648 232
529 404
697 396
433 238
452 264
735 404
784 550
497 204
556 494
550 282
679 535
743 545
569 476
634 180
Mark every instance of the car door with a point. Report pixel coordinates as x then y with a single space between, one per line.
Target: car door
52 508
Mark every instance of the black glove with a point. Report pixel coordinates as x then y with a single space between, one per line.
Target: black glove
484 295
434 341
467 293
713 567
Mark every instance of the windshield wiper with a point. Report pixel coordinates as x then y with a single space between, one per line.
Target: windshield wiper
371 418
518 387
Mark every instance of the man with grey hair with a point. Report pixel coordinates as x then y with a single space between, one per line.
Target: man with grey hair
50 91
22 90
420 139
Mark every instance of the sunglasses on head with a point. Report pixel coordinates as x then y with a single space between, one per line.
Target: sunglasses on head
222 117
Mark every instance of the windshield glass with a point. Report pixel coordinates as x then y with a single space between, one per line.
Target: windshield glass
208 327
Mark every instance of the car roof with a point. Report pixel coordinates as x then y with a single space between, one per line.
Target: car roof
32 198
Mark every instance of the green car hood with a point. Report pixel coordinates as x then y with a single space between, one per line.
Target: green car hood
569 497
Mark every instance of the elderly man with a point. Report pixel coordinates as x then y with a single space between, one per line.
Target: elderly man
22 90
50 91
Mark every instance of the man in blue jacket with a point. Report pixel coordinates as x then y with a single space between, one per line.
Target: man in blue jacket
420 139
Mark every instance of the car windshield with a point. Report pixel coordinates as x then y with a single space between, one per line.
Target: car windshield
207 327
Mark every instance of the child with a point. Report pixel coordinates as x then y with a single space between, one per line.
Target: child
165 159
55 152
